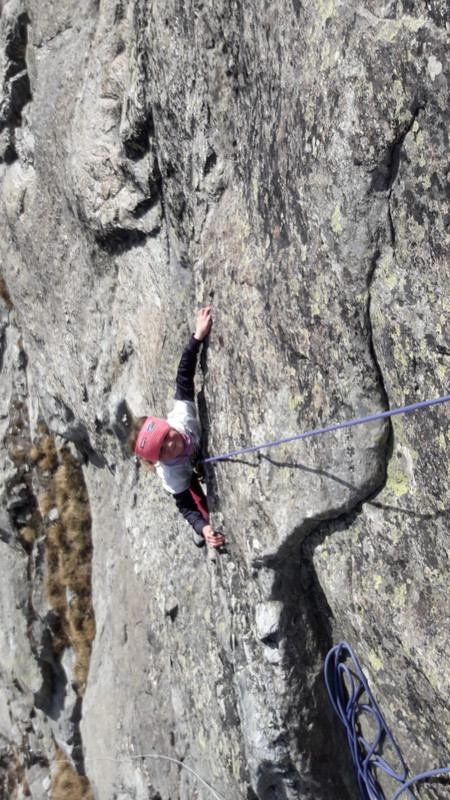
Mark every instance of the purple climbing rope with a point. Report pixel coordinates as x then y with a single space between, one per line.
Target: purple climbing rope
352 701
371 418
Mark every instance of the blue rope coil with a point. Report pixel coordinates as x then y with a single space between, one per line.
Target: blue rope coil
352 699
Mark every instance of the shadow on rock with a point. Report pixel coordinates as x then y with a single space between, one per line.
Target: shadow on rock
307 632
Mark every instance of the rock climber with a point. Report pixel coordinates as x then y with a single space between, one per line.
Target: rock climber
173 446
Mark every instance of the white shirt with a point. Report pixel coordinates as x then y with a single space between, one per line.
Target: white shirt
183 418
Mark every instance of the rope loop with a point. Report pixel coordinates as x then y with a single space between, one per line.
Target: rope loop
355 705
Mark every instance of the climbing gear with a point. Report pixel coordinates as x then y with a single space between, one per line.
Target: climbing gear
353 701
382 415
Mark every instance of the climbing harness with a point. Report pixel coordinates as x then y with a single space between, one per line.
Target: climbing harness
382 415
352 700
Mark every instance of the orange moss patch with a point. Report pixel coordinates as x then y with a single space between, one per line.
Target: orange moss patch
68 549
66 784
69 556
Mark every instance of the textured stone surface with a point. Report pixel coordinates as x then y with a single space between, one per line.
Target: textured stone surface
287 163
24 679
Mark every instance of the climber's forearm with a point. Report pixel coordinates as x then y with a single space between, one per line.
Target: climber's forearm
187 507
186 371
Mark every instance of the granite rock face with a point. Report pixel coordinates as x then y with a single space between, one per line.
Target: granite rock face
285 163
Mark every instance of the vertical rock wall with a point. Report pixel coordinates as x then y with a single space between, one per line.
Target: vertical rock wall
286 163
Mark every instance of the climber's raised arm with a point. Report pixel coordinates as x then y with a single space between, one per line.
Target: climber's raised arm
188 361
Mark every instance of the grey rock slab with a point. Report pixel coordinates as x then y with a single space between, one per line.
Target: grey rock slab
17 658
285 163
37 780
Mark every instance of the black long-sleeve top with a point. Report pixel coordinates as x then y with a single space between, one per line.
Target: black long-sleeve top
185 391
186 371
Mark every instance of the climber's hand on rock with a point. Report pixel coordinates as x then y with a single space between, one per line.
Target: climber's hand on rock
203 323
213 539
